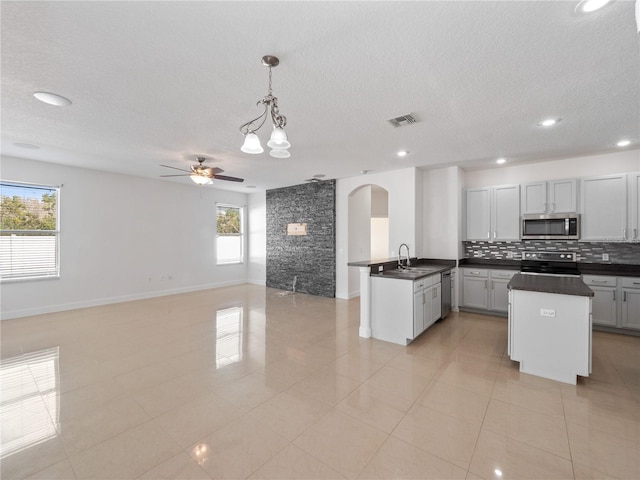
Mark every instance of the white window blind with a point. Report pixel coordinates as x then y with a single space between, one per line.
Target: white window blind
230 234
29 231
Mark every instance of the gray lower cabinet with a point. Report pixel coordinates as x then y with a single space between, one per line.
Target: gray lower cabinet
486 289
605 299
475 284
616 301
630 315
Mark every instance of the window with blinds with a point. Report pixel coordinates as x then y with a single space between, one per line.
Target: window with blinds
29 231
230 238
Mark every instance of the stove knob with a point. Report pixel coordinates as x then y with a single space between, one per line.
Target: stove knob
561 256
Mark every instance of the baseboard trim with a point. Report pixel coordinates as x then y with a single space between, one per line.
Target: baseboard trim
96 302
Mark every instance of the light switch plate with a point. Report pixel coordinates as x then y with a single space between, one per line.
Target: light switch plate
546 312
605 257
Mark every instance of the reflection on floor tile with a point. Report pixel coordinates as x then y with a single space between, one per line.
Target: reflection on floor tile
239 383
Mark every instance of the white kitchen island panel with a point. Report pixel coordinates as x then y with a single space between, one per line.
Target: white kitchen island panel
550 334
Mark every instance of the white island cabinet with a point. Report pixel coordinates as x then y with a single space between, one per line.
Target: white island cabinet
550 326
402 309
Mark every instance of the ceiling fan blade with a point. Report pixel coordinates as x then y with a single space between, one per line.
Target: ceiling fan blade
175 168
183 175
230 179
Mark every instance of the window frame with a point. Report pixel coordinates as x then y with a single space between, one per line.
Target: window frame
241 210
55 233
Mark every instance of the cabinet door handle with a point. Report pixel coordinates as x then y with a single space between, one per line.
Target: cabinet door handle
474 273
545 206
553 207
599 281
485 285
624 233
489 235
624 296
636 283
435 293
635 233
614 295
495 234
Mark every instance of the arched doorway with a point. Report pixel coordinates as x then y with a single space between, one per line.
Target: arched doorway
368 233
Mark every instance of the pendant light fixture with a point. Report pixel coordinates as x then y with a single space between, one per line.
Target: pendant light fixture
278 142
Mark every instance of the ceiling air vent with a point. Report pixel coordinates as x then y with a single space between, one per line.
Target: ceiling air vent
403 120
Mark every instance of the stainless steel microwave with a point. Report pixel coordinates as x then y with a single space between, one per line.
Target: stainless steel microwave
556 226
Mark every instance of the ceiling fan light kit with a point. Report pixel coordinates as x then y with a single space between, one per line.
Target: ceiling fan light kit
200 180
202 175
278 142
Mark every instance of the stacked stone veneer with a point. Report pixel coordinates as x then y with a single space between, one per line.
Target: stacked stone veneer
587 252
311 257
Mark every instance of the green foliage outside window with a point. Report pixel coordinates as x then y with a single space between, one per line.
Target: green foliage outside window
228 221
28 213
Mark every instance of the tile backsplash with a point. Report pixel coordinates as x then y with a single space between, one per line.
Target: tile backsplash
587 252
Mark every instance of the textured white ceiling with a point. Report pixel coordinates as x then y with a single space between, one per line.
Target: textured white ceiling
162 82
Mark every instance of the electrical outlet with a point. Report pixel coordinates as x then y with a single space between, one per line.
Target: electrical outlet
547 312
605 257
509 254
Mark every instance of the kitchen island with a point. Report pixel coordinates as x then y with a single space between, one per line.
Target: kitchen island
550 326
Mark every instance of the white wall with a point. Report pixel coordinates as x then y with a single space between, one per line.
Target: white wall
401 185
619 162
379 237
441 206
257 230
122 238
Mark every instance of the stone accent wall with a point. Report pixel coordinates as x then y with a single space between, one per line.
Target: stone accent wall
588 252
311 257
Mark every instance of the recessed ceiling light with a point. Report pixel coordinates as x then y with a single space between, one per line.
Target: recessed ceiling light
402 153
52 99
500 161
28 146
548 122
624 143
588 6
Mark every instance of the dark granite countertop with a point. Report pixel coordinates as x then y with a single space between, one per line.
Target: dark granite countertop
550 284
614 269
412 274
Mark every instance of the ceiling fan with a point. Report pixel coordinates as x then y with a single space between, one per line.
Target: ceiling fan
202 175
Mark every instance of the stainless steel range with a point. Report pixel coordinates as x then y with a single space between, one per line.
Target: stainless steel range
550 263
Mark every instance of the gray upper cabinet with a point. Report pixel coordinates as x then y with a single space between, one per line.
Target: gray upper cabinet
478 213
603 205
493 213
554 196
633 233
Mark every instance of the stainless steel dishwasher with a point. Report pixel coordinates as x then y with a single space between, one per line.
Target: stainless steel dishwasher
446 293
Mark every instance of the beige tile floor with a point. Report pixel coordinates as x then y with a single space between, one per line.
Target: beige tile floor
240 383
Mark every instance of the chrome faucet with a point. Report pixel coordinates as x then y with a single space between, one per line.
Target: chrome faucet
408 262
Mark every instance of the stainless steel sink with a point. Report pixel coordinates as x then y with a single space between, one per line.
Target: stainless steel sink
422 269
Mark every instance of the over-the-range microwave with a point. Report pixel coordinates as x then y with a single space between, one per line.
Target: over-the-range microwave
555 226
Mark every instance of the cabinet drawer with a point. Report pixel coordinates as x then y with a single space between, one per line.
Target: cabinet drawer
630 282
418 285
504 274
600 281
475 272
